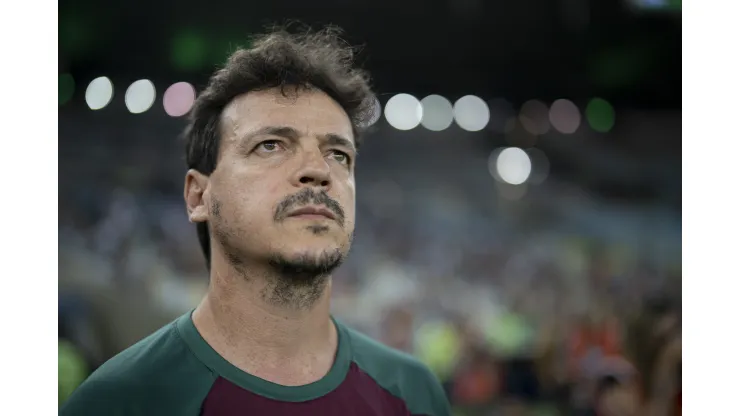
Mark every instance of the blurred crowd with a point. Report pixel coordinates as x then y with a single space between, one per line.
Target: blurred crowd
555 303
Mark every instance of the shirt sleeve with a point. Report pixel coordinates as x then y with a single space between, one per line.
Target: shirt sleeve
101 397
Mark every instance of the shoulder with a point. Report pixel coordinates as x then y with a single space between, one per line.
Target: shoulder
154 370
372 352
401 374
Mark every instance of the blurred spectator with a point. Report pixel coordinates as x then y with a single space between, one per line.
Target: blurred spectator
72 369
655 346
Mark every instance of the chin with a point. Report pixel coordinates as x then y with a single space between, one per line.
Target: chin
313 248
310 246
313 240
307 265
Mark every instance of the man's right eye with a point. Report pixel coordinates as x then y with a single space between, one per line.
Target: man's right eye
269 146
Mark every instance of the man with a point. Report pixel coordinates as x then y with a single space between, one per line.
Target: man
271 147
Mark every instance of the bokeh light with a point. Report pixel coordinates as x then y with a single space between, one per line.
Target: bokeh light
565 116
502 115
540 166
403 112
534 117
140 96
178 99
492 159
471 113
377 112
513 166
188 52
437 113
600 115
99 93
66 88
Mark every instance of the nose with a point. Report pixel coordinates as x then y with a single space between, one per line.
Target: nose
313 171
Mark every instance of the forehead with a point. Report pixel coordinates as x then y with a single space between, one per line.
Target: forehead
311 112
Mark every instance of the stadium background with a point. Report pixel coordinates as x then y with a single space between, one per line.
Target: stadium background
523 178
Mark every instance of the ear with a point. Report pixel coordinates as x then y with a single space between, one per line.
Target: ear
196 185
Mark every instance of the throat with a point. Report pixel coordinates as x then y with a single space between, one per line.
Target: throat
278 349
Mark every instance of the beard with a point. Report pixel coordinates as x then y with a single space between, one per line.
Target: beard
299 281
293 281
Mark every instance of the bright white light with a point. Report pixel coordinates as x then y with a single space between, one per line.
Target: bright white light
140 96
377 111
99 93
178 99
471 113
403 111
513 165
373 115
437 113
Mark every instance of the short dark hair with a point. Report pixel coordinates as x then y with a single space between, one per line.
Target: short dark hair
279 59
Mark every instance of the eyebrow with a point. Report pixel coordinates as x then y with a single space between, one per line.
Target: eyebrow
282 131
291 133
338 140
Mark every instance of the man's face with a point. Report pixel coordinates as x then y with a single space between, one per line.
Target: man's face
283 191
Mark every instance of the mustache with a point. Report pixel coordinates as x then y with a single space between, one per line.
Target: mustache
305 197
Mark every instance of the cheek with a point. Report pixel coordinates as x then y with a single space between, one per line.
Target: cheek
249 195
348 192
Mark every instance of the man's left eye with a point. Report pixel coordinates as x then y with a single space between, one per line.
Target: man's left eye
340 157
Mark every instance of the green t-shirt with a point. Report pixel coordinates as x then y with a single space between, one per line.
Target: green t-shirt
175 372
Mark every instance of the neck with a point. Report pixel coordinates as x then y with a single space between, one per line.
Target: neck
239 320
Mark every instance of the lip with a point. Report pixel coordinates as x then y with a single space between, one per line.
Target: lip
312 212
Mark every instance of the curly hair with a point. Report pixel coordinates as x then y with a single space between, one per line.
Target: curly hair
278 59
